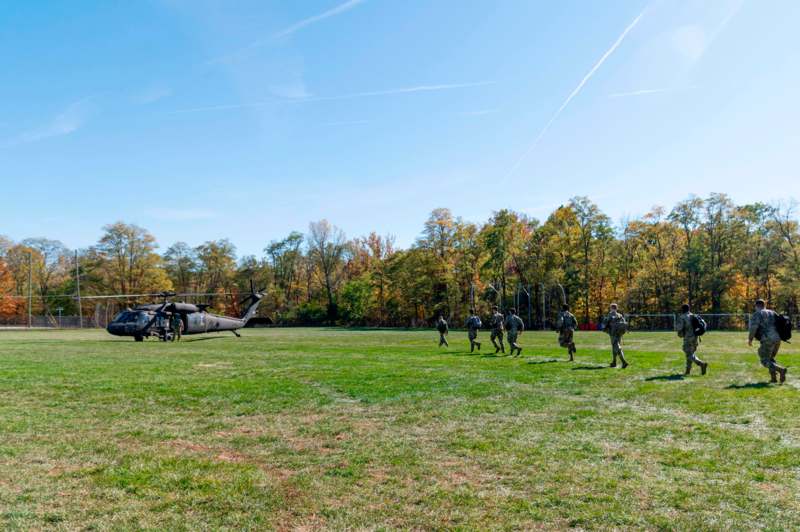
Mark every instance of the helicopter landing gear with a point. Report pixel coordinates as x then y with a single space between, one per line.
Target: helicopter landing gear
138 338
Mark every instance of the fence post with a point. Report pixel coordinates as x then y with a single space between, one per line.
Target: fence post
78 285
30 288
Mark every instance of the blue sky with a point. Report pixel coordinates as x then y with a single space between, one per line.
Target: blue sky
201 119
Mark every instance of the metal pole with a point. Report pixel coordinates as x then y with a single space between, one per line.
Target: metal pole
30 287
544 310
78 286
530 323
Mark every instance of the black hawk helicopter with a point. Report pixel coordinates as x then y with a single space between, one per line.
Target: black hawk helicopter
154 319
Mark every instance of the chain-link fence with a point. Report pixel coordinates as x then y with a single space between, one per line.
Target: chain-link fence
666 322
100 316
651 322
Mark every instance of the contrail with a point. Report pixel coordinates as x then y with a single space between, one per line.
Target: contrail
641 92
387 92
347 6
576 91
338 10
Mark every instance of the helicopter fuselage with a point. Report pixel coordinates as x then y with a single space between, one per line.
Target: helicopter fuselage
156 320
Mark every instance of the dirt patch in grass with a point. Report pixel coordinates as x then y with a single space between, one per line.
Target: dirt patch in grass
222 454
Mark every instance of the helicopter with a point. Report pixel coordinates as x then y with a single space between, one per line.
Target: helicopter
154 319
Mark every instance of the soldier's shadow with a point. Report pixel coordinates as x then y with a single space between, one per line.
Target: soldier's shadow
588 368
673 377
545 361
748 385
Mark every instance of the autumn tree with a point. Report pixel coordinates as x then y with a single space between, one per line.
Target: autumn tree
327 246
126 262
180 261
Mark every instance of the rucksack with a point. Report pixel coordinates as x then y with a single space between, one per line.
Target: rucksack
783 324
617 327
475 322
698 325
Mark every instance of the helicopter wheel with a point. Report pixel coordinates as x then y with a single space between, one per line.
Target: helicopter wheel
138 338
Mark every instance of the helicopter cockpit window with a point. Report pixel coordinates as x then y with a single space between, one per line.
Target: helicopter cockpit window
126 316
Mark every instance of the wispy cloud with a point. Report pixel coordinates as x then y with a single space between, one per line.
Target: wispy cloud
645 92
338 10
152 94
480 112
693 40
736 6
181 215
576 91
345 123
295 90
297 26
369 94
66 122
402 90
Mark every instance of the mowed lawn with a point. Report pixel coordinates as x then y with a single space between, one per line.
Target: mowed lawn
335 428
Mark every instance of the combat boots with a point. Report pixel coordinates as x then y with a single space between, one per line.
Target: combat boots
688 368
703 368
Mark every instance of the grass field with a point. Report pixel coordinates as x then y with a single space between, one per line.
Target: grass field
314 428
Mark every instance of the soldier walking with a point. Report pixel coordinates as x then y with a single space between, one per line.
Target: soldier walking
614 325
685 327
762 328
443 329
473 325
566 325
497 330
514 328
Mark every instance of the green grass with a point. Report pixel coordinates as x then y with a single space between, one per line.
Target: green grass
291 428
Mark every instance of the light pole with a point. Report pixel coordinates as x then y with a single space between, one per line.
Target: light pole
30 288
78 286
521 288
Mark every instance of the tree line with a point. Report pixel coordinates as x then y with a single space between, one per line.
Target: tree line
709 252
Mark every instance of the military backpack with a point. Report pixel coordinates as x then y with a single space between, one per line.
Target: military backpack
617 326
698 325
783 324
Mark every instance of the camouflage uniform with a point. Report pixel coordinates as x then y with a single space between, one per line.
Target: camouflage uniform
566 324
497 332
473 324
613 325
685 330
514 327
762 327
177 326
443 329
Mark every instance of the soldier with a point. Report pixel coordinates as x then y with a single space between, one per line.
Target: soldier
566 325
473 324
762 327
497 330
615 326
514 328
443 329
177 325
685 329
